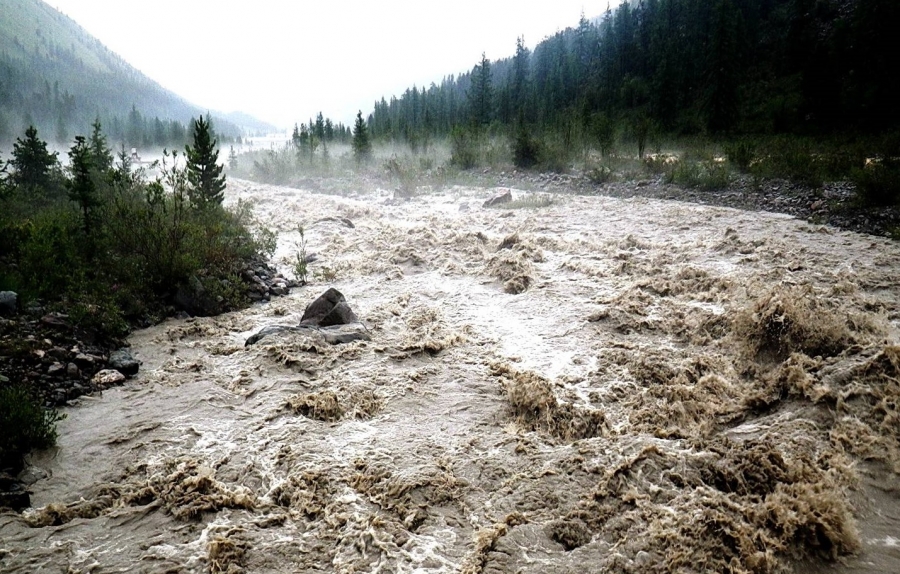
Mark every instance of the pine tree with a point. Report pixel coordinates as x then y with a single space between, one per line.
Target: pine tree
232 159
81 186
101 154
207 182
31 162
480 101
362 146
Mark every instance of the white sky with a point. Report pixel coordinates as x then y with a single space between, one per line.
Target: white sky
284 60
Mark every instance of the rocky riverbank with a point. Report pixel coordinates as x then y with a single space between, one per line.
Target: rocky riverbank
835 203
48 352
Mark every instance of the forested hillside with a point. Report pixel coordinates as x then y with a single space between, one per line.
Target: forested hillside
681 67
56 76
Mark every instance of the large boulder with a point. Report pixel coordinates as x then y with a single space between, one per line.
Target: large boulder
505 197
124 362
8 301
329 316
330 308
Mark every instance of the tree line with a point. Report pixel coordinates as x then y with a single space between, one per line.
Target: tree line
713 67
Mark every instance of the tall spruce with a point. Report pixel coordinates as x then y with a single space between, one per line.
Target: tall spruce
31 162
81 186
205 178
101 154
362 145
480 94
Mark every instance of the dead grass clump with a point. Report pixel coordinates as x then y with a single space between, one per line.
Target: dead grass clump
227 554
407 493
308 492
535 406
328 406
787 320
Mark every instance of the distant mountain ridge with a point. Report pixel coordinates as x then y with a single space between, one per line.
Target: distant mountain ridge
55 75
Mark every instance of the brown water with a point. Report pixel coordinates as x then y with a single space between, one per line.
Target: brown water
613 390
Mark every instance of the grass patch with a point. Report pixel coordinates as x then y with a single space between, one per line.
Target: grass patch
24 424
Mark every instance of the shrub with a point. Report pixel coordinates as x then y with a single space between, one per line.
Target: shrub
599 175
24 424
463 148
793 160
879 182
708 176
741 155
526 150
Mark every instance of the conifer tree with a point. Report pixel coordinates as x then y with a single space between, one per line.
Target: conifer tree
101 154
205 177
480 100
362 146
31 162
81 187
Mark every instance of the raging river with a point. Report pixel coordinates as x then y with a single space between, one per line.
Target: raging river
593 385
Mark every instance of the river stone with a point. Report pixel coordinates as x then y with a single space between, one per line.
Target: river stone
330 308
8 302
333 335
123 362
108 378
499 199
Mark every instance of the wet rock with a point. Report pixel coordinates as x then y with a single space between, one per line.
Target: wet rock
108 378
85 361
330 308
124 362
8 302
268 331
499 199
55 320
16 498
340 334
72 370
56 369
31 475
13 494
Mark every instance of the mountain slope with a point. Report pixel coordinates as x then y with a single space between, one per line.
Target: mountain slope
55 75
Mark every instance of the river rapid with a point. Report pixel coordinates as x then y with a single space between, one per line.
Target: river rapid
590 385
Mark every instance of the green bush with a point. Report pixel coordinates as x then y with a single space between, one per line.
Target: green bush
878 183
463 148
599 175
791 159
708 176
24 424
526 150
741 155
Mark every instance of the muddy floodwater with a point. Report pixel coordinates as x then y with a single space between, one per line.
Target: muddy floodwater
594 385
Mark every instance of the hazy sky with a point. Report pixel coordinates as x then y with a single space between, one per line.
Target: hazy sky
284 60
